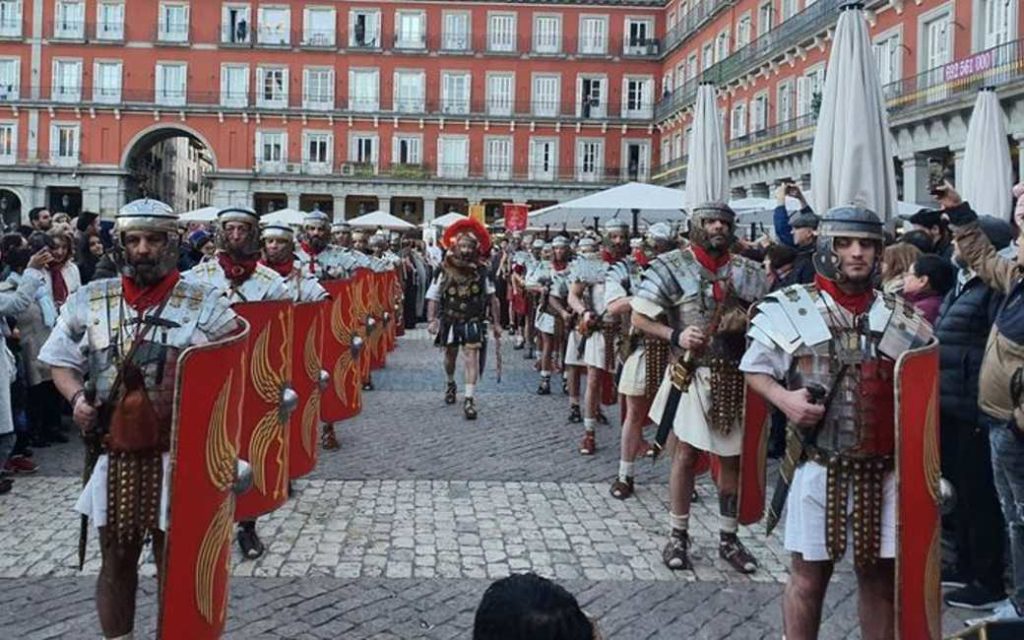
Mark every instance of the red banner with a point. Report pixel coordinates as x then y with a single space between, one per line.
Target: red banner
516 216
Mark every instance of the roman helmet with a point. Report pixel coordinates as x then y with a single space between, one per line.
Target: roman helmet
468 228
711 211
660 236
847 221
239 214
146 215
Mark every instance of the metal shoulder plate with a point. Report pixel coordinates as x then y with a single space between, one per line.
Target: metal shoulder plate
588 271
790 318
901 325
748 278
669 278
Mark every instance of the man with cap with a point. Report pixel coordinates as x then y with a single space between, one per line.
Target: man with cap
797 231
696 299
160 315
460 300
645 357
930 222
847 400
237 273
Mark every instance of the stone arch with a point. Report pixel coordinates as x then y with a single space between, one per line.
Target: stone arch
14 205
162 131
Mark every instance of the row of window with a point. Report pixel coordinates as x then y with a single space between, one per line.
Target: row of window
409 89
273 27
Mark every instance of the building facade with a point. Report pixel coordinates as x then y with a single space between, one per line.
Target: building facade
422 107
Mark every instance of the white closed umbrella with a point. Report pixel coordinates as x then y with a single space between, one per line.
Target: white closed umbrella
987 180
852 159
206 214
380 220
707 172
292 217
653 204
446 220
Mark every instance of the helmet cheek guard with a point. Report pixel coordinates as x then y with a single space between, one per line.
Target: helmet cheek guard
845 222
711 211
151 216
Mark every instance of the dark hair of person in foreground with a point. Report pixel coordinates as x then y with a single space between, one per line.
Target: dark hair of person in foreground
528 607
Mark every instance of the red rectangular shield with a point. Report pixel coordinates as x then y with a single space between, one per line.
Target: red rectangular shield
753 458
204 455
344 338
307 354
918 562
265 406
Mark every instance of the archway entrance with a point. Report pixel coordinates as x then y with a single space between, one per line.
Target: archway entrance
10 208
171 165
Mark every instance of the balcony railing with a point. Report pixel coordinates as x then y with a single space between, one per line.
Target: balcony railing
497 172
691 21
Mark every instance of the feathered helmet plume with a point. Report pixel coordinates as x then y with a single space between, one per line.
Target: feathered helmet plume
468 226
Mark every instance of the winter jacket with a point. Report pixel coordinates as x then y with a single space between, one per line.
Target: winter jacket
927 303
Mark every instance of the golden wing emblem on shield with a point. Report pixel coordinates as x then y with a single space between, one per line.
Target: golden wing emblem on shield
311 412
269 384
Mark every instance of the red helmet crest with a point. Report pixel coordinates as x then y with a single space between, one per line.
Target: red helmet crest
468 226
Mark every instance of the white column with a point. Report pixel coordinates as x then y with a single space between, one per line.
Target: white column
293 200
915 179
1019 137
339 207
958 163
384 204
429 209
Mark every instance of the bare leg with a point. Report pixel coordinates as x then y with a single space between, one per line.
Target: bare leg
593 398
876 601
803 598
680 480
545 352
117 585
633 427
450 353
574 383
470 367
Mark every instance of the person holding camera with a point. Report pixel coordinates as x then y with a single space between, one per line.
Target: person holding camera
799 231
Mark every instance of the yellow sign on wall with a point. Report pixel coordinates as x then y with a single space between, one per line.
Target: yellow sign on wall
478 213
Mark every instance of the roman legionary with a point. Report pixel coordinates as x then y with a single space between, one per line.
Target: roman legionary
645 357
237 273
696 299
834 345
341 232
279 255
124 335
316 255
460 300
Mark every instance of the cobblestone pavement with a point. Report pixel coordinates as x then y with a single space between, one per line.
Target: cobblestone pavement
398 534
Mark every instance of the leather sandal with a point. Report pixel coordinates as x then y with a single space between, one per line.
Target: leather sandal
575 415
676 554
588 445
732 551
544 389
621 490
249 542
328 440
469 409
449 393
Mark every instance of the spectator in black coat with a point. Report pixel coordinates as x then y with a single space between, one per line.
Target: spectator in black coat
799 231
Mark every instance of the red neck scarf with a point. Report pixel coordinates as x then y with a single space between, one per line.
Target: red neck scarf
237 270
641 258
312 253
58 286
712 264
141 298
284 268
855 303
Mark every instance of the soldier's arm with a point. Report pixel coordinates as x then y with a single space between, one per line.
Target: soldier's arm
651 327
763 366
576 297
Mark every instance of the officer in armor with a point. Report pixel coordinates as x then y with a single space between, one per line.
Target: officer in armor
696 299
460 299
645 357
125 335
237 273
824 355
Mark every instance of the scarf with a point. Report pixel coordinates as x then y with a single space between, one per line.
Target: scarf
58 286
237 270
309 252
855 303
141 297
641 258
712 264
284 268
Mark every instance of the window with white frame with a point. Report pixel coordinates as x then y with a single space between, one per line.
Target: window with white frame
106 81
498 158
408 150
765 17
452 156
64 143
722 46
636 97
691 65
500 92
677 145
272 87
937 47
887 56
680 75
788 9
69 19
110 21
744 31
172 24
10 78
410 30
318 26
67 80
666 150
639 33
808 90
593 35
317 151
455 92
364 90
364 28
271 149
234 85
589 160
738 124
455 31
170 83
274 25
235 24
501 32
547 33
707 55
591 96
362 148
997 23
784 102
8 142
543 159
759 112
10 18
636 160
410 91
318 88
547 90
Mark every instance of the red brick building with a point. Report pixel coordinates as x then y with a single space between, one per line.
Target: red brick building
423 107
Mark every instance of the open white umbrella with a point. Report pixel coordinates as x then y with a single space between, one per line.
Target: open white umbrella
852 159
653 203
291 217
446 220
987 180
380 219
707 173
206 214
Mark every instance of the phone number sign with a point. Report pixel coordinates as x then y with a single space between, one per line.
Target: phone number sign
969 66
